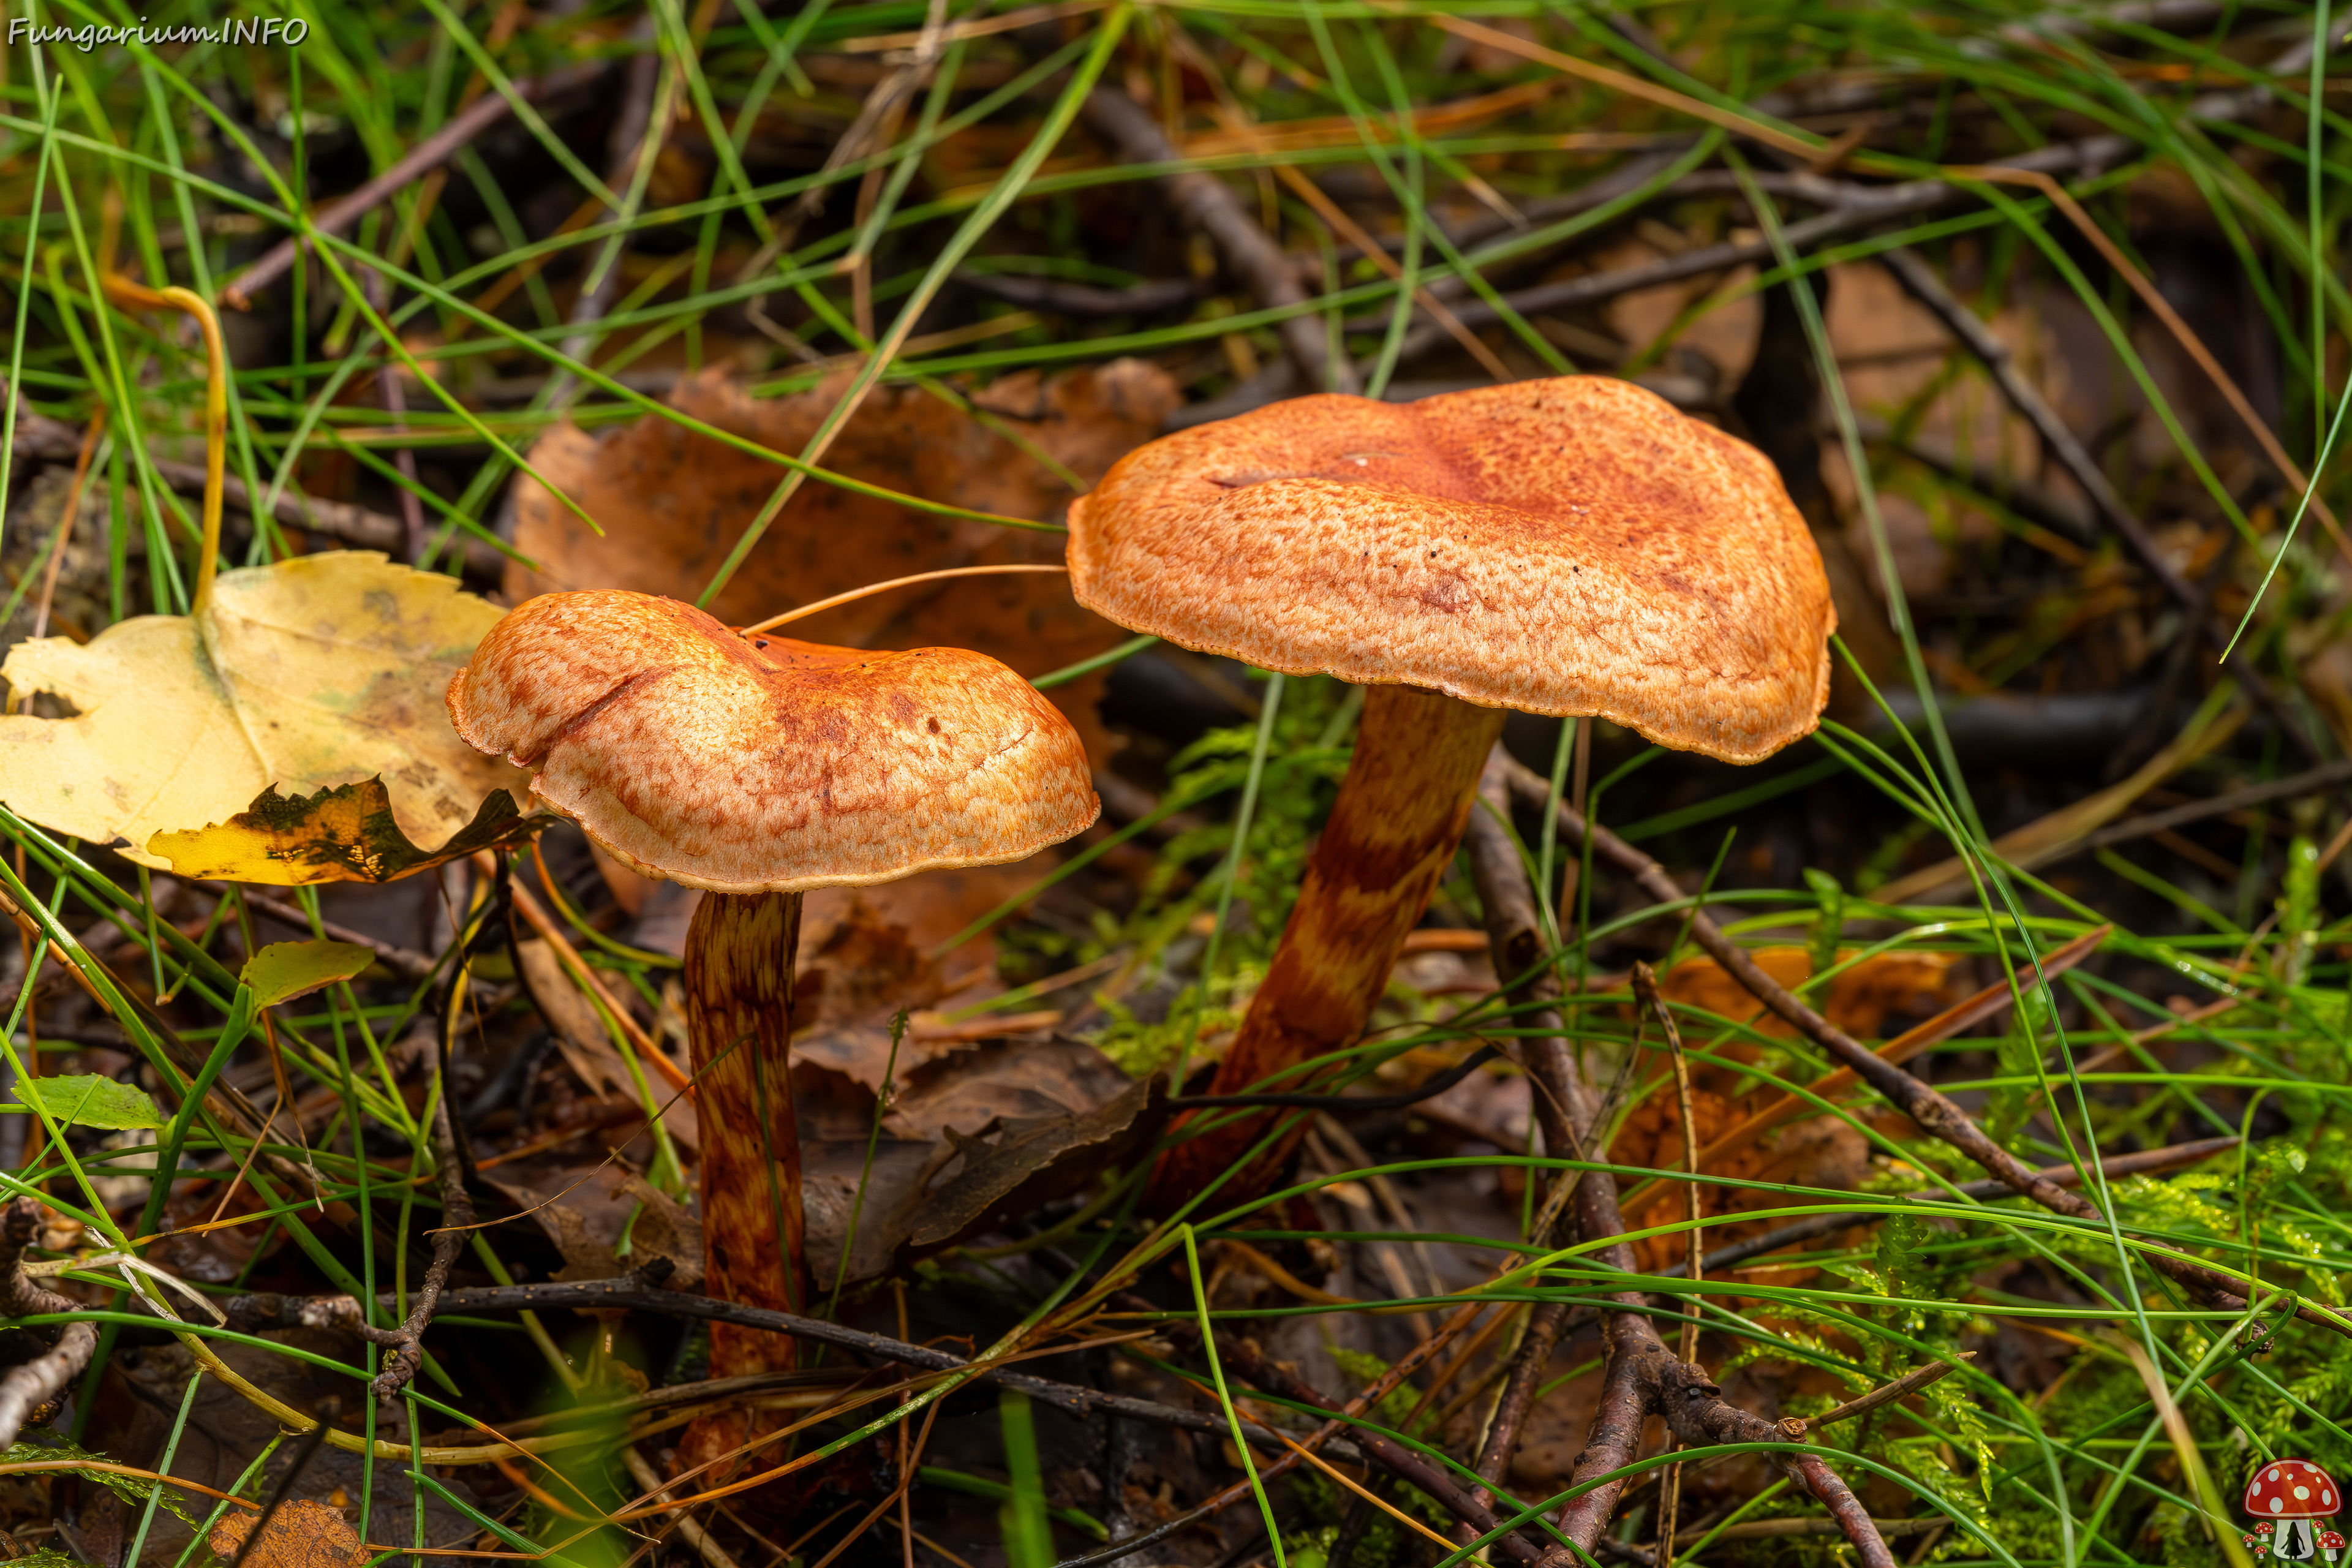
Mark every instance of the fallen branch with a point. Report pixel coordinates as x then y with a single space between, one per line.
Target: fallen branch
1919 280
1934 1113
29 1386
1515 941
642 1293
1062 298
1400 1461
40 438
1204 202
405 1343
1831 1221
1644 1377
1295 1452
461 130
2085 157
1904 1388
1965 1014
1861 207
2312 781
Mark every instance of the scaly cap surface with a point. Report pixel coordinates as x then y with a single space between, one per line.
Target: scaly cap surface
1569 546
766 764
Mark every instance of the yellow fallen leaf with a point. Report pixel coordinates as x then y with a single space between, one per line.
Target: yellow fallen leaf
342 835
320 671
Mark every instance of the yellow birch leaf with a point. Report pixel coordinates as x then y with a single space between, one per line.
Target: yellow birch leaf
320 671
347 834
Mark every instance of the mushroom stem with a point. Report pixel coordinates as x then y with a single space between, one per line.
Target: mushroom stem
1392 832
738 981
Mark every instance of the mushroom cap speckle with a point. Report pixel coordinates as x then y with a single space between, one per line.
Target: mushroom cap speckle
2293 1489
1567 546
766 764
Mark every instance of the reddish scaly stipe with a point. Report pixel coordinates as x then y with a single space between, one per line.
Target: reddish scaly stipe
1392 832
738 979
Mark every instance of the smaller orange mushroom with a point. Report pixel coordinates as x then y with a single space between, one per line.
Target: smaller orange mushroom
757 767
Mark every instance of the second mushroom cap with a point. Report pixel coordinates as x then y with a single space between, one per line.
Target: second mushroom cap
766 764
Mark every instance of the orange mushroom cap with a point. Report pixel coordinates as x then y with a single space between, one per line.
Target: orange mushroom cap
767 764
2293 1489
1569 546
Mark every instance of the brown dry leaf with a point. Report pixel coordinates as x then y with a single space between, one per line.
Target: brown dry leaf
584 1207
1860 1000
2327 679
1029 1163
303 1533
1821 1151
571 1019
1034 1119
673 503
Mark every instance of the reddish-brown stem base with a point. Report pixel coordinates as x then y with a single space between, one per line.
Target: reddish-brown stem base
738 981
1392 832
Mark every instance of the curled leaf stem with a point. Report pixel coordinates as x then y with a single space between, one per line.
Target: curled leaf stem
872 589
123 292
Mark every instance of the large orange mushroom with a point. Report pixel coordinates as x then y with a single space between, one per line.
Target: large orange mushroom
757 767
1569 547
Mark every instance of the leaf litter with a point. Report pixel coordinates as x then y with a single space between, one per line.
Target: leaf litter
672 503
975 1108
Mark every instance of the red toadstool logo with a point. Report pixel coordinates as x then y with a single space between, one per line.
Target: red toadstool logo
2295 1493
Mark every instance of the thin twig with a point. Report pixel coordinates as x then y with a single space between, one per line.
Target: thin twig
1934 1113
1830 1221
1246 1358
461 130
1964 1015
637 130
1919 280
528 906
1647 996
1204 202
407 1342
1294 1453
1902 1387
72 509
639 1292
1642 1377
358 525
2182 334
31 1384
2312 781
395 410
406 963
